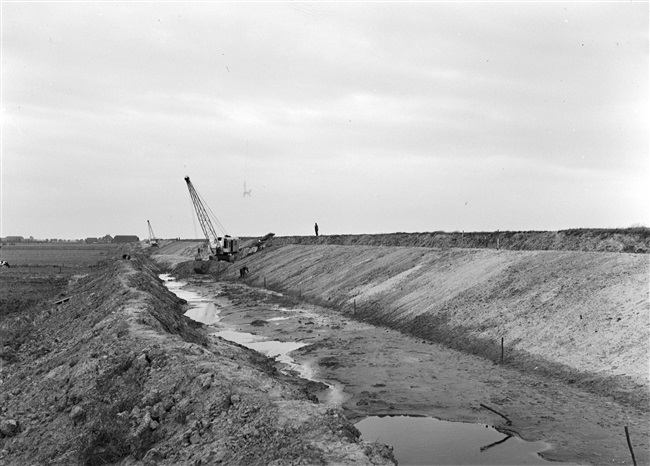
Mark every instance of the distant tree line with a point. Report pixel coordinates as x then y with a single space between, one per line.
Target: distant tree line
31 239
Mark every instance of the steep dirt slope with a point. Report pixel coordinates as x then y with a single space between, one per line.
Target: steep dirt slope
118 375
581 316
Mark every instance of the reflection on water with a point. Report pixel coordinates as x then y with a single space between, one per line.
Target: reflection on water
271 348
204 310
279 350
200 309
429 441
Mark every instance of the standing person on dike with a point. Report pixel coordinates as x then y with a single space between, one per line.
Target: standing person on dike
316 228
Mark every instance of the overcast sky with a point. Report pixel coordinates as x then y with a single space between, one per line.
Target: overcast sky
363 117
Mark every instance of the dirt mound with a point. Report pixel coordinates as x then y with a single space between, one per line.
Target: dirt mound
578 316
116 374
170 254
634 240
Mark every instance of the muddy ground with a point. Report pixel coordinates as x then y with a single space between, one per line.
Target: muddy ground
575 327
383 371
108 371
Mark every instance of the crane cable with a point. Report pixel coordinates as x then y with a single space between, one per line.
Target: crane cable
193 215
214 217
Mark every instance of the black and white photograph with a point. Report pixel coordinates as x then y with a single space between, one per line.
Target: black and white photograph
324 233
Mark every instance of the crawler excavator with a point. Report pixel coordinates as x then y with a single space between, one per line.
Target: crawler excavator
218 248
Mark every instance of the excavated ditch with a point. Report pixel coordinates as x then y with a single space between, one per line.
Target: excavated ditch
417 440
555 341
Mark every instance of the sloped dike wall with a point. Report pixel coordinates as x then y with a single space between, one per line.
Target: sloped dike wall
580 316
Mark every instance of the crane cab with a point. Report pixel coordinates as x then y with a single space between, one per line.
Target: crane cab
229 247
231 244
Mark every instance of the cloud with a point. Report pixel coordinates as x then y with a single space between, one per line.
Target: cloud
345 111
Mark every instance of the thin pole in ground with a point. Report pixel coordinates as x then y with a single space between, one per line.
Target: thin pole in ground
629 444
496 412
501 350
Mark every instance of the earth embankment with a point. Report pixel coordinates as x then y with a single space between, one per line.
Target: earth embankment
578 316
114 373
630 240
574 327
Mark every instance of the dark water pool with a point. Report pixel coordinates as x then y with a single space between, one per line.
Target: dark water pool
428 441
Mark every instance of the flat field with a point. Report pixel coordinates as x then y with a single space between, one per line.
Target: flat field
38 276
55 254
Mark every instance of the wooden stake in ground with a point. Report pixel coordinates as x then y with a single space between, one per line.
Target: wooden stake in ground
629 444
501 350
496 412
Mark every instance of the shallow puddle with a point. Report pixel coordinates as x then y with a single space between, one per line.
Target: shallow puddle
201 309
279 350
429 441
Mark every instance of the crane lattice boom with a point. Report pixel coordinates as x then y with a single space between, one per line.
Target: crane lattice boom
222 251
202 214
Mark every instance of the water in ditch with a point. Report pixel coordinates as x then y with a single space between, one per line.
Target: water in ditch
204 310
430 441
201 309
416 440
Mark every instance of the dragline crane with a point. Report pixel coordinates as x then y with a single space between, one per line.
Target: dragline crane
220 248
153 242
